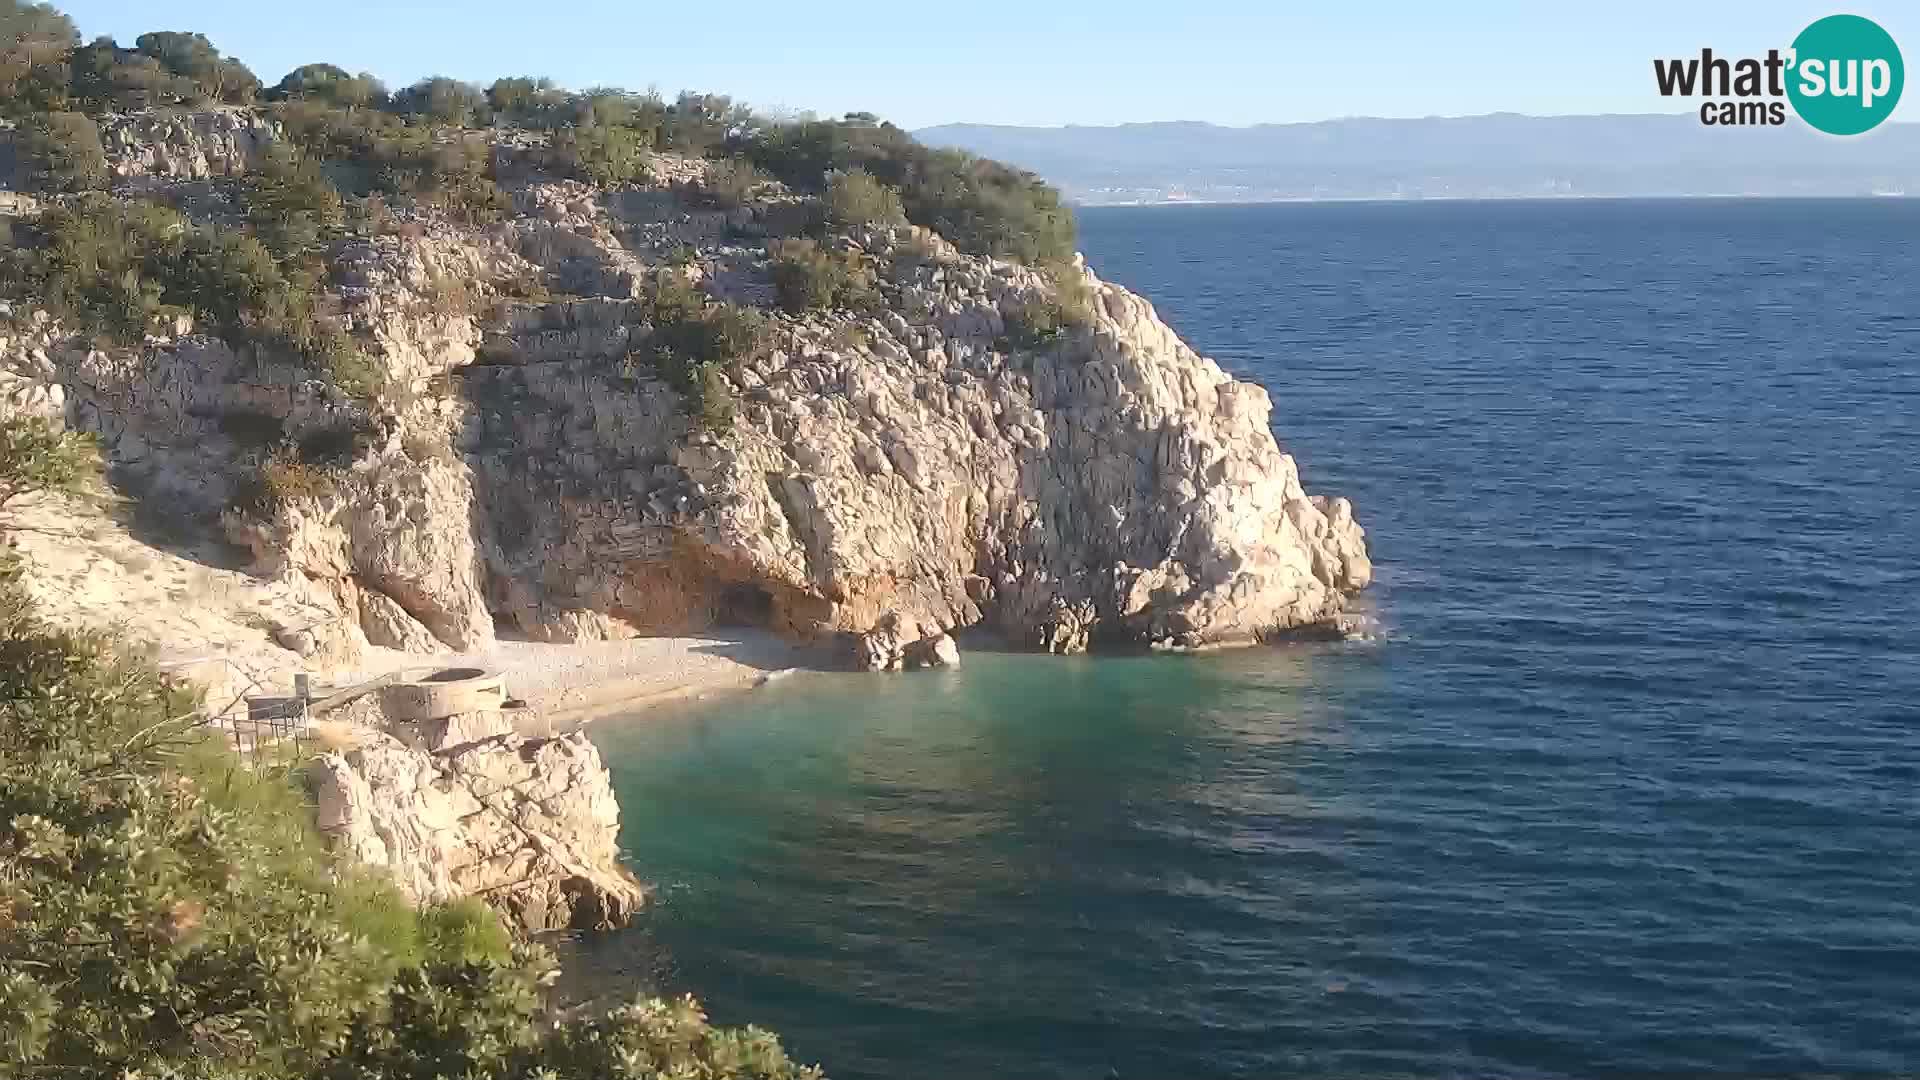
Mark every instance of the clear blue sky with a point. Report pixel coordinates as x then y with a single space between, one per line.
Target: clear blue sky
1026 61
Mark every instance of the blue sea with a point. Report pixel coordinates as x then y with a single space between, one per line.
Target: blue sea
1628 786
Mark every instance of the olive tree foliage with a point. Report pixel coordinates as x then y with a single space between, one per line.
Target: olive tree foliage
35 41
23 19
441 100
168 912
330 84
192 56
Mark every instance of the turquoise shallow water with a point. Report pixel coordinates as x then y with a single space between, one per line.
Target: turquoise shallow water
1630 786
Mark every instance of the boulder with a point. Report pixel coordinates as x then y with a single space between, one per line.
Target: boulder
387 624
938 651
529 825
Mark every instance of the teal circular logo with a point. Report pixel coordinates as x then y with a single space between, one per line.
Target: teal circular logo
1846 75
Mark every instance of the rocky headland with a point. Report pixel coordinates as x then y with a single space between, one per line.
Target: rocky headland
895 474
517 458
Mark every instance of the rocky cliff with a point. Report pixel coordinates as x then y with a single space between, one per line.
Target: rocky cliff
529 825
888 475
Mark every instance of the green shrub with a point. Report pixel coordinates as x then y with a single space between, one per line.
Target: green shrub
163 69
37 459
371 152
193 57
604 106
981 206
36 73
694 343
673 298
166 912
98 261
107 78
807 276
124 268
702 124
36 21
853 198
729 184
535 103
64 152
330 84
441 100
1037 323
291 203
280 481
609 156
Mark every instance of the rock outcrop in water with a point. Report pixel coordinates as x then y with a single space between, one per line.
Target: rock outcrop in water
529 825
888 476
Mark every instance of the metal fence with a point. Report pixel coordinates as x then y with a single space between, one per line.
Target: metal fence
270 725
253 722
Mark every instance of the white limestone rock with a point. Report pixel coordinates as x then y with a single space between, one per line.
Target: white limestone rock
529 825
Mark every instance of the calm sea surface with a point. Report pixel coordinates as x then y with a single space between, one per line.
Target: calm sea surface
1631 784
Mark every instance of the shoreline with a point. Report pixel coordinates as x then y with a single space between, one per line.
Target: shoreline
568 686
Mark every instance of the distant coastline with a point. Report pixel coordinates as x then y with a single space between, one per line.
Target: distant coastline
1497 156
1084 204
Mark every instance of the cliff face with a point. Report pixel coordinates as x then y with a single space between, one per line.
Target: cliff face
905 472
529 825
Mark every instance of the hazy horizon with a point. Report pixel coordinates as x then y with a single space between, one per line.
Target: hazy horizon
1489 156
1358 117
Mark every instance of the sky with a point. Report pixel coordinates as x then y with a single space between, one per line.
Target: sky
1011 62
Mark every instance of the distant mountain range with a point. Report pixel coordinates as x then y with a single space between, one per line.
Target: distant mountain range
1503 155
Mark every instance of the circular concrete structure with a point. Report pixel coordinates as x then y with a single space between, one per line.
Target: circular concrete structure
438 694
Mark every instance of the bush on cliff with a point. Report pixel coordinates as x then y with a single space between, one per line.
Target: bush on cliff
606 155
441 100
1037 323
808 277
193 57
166 912
853 198
980 206
37 458
370 152
63 152
290 203
127 268
163 69
694 343
728 184
329 84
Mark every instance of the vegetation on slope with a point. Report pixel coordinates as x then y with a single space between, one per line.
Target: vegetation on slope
353 147
166 912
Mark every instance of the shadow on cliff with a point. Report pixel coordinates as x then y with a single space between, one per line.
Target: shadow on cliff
157 521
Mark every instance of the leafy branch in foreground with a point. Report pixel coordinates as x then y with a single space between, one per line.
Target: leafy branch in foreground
36 459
